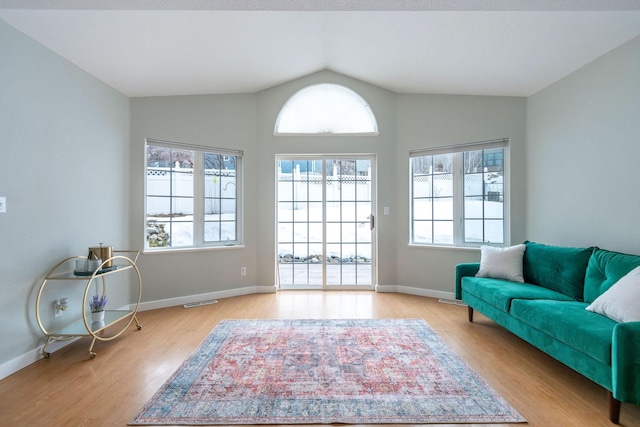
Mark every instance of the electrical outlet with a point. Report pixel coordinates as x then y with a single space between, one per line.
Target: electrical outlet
3 205
243 271
59 306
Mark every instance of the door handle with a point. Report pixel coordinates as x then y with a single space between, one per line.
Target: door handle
372 221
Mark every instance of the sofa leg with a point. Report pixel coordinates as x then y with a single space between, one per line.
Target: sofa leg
614 409
470 310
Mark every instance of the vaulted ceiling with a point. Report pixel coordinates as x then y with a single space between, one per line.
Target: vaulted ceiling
172 47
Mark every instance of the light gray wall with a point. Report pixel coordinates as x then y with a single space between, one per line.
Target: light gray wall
223 121
428 121
583 154
247 122
64 144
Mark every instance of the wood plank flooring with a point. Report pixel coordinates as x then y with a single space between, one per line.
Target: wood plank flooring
69 389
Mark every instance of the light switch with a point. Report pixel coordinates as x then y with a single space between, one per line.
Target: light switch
386 210
3 205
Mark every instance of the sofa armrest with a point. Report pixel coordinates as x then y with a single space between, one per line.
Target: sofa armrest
625 362
465 269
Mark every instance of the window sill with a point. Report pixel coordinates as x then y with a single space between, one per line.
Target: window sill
450 248
187 250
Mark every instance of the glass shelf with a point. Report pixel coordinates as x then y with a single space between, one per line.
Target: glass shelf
69 275
78 328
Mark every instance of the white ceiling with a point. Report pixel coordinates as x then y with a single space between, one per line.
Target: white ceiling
173 47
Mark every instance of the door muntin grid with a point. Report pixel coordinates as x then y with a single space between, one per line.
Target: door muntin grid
325 237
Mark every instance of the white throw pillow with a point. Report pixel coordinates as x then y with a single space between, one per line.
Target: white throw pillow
621 302
502 263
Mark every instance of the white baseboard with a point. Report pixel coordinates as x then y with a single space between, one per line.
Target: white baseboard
416 291
34 355
171 302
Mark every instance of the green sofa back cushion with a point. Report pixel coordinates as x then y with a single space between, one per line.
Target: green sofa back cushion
561 269
604 270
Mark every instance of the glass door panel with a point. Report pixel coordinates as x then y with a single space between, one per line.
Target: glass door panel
324 222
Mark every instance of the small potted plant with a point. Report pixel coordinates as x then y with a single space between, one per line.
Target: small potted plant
97 304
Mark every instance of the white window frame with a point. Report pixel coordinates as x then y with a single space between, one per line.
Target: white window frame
458 192
199 196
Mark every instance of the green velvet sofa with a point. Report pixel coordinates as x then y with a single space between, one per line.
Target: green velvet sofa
548 311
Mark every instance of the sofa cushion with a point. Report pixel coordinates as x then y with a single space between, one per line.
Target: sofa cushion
569 323
621 302
555 267
502 263
499 293
604 270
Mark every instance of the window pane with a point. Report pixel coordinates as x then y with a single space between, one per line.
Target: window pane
158 206
158 234
473 207
326 108
300 252
363 233
363 213
181 206
211 231
443 208
473 184
422 209
285 211
494 231
422 232
300 232
228 231
300 212
473 231
182 234
484 196
158 182
422 186
364 253
348 212
333 231
285 190
315 232
285 232
443 185
315 211
443 232
348 232
333 211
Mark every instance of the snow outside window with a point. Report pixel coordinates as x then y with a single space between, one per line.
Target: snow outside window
192 196
458 195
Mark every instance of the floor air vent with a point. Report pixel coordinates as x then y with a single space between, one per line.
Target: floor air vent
199 303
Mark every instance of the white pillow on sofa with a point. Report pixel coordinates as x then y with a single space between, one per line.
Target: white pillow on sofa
621 302
502 263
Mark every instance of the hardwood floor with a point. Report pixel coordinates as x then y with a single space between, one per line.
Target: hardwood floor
69 389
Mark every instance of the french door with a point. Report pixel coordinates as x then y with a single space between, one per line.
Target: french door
325 222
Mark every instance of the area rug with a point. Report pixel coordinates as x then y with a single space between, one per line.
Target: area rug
322 372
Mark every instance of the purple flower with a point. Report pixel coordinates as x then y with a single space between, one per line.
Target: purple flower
98 303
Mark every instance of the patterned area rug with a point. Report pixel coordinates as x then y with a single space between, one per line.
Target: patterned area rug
321 372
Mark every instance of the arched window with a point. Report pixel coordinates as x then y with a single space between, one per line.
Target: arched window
326 109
